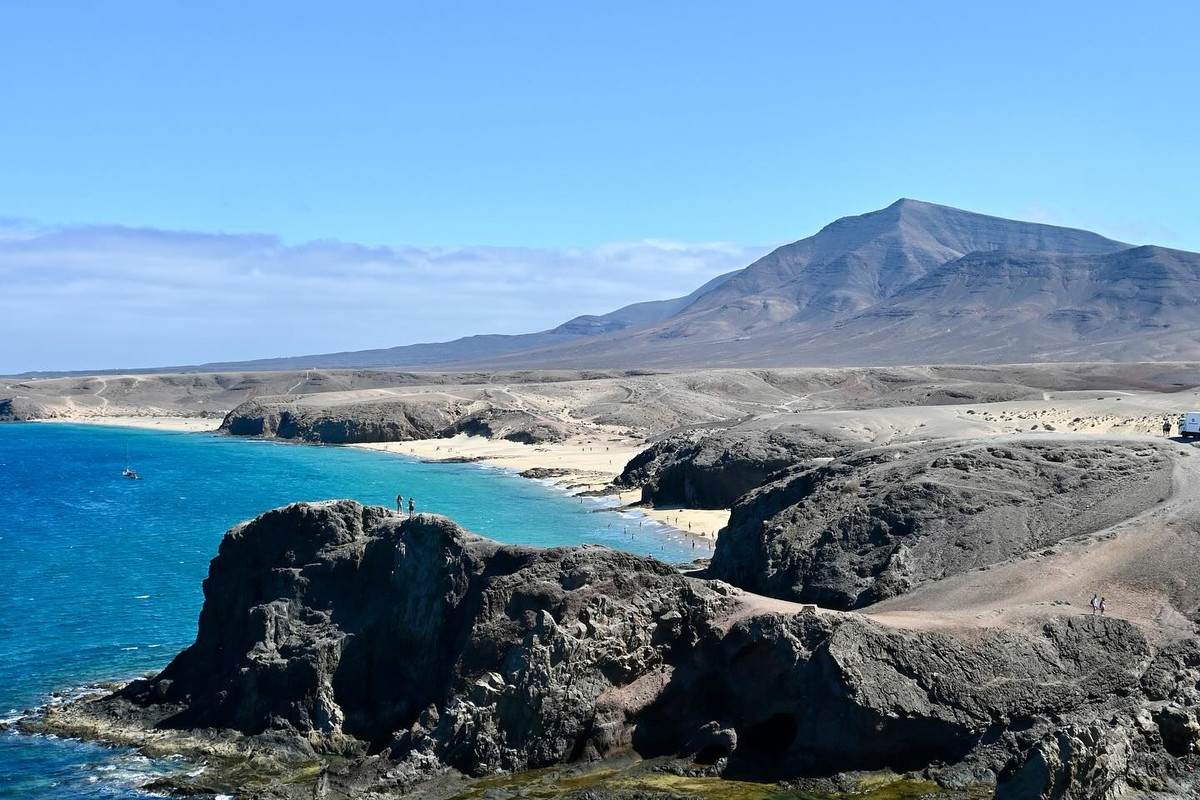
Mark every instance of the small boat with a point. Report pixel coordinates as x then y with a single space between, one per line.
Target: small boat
129 472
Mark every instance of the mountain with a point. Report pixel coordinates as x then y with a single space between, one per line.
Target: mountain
786 307
911 283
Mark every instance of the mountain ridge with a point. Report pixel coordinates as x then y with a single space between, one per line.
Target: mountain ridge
911 283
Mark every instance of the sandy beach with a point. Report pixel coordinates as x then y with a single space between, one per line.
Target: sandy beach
578 464
178 424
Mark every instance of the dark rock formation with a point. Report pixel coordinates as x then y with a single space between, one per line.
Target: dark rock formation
394 648
813 694
362 422
713 470
20 409
875 524
514 425
430 416
1142 748
544 473
358 630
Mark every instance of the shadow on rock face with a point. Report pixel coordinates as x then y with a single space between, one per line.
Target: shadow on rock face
792 708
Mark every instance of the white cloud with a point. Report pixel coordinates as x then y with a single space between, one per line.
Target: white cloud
100 297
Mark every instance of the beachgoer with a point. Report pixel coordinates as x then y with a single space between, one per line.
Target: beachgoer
411 506
399 503
1102 607
1095 603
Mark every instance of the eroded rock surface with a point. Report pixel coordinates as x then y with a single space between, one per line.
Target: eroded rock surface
359 631
417 416
514 425
365 422
877 523
713 470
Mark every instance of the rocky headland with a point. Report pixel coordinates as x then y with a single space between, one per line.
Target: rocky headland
700 469
346 651
419 416
879 522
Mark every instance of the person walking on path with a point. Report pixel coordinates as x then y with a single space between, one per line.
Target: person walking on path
1102 607
1095 603
411 506
1166 427
399 504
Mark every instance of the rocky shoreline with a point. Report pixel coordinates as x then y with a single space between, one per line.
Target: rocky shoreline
344 651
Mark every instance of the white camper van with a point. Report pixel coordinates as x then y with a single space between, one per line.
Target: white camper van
1189 424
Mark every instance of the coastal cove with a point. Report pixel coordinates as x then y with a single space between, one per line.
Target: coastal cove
102 575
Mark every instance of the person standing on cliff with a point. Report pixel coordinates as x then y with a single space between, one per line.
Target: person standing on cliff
399 504
411 506
1095 603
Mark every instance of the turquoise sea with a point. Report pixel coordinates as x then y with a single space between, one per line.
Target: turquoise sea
100 575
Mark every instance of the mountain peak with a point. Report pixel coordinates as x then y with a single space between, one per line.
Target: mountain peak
859 261
908 202
906 209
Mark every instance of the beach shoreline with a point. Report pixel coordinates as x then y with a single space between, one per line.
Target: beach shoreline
145 422
576 465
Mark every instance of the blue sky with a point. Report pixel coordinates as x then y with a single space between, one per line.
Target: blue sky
552 126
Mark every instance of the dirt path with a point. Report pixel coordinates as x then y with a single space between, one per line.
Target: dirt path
99 393
298 383
751 605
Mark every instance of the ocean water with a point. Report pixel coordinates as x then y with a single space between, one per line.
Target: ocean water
100 575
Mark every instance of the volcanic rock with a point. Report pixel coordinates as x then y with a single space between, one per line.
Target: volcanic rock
877 523
713 470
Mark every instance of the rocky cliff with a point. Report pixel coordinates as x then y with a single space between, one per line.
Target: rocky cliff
713 470
393 650
417 416
877 523
360 632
